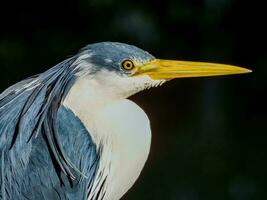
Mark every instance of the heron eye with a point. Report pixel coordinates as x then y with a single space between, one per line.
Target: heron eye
128 65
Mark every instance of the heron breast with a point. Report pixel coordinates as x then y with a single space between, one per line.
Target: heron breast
126 129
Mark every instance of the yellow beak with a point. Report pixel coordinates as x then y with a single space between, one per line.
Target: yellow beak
170 69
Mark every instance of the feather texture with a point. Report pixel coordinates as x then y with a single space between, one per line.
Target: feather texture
29 134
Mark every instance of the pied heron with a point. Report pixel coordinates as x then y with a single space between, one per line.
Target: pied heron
71 132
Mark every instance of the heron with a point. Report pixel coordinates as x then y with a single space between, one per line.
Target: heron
72 133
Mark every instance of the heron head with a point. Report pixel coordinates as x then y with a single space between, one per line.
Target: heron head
124 70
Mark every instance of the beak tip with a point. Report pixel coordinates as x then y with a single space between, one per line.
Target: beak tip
241 70
245 71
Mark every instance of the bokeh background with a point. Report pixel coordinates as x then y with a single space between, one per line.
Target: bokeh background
209 134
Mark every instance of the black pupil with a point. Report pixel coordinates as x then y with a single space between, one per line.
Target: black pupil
128 65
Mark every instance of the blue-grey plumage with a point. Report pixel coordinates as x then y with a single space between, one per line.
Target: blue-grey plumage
70 133
35 162
40 178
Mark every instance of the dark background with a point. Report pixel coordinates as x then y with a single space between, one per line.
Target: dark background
209 134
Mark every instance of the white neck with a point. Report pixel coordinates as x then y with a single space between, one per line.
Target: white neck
84 94
120 126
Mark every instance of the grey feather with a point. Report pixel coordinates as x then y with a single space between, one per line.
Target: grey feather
41 179
28 109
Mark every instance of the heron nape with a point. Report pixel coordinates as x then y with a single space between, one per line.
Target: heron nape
71 132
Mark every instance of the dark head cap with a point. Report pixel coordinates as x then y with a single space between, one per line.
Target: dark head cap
111 54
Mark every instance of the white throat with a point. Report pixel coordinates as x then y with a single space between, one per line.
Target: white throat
119 126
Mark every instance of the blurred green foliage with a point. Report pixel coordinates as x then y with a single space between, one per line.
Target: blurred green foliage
209 134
